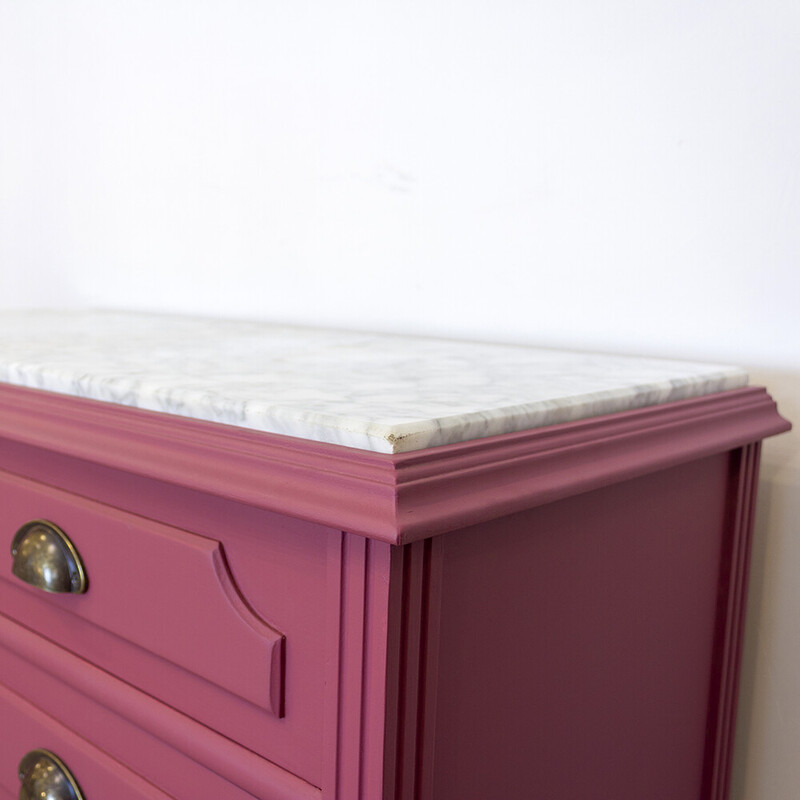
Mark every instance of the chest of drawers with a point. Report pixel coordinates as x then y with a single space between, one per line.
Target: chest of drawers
550 609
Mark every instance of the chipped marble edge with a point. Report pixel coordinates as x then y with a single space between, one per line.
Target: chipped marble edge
365 434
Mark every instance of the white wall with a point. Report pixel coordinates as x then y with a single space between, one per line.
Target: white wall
611 175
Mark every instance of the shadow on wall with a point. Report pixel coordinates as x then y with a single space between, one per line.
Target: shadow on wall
766 764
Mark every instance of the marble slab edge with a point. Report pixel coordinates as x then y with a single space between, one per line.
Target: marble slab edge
367 434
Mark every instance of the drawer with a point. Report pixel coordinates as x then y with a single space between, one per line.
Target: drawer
184 758
25 729
164 611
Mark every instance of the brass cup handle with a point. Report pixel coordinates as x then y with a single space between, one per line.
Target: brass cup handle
44 776
45 557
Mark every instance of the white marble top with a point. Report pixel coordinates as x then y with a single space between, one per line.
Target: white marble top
379 392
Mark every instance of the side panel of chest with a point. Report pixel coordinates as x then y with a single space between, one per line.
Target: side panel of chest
585 648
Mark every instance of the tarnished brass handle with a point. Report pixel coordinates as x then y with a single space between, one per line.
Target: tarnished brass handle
45 557
45 777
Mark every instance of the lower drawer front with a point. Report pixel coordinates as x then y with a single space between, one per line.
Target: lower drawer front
51 699
25 728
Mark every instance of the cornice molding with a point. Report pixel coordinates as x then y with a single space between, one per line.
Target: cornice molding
393 498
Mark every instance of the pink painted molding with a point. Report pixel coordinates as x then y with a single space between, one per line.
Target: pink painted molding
729 636
411 677
355 714
393 498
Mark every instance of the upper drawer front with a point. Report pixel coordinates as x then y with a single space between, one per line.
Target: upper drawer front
230 627
24 728
165 590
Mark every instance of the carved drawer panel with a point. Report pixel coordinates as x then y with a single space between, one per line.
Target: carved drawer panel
165 590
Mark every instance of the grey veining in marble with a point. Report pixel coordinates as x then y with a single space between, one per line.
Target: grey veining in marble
385 393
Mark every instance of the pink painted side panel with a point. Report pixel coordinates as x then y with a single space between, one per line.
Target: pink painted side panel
25 728
576 644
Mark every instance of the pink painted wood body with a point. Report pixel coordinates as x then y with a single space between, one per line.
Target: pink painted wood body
552 613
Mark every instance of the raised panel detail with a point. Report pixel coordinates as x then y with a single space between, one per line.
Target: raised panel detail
161 588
